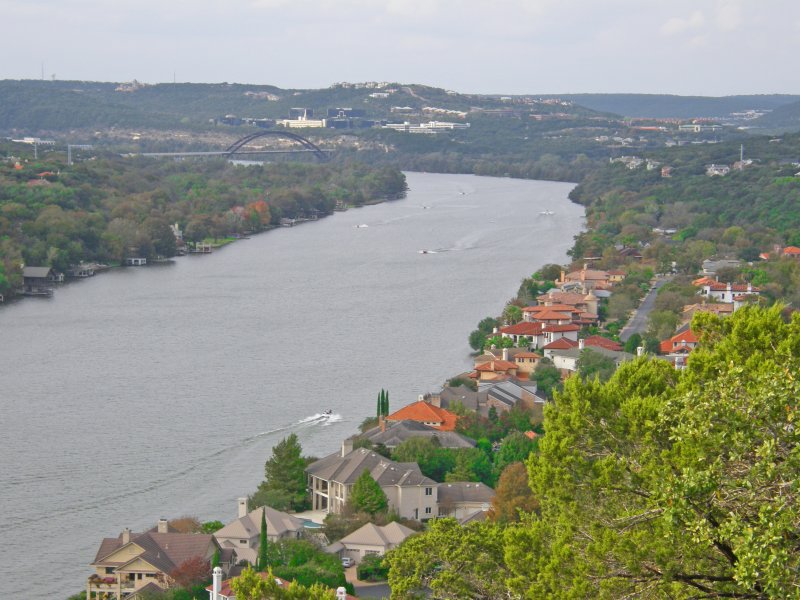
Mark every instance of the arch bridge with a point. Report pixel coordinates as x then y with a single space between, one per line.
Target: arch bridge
308 146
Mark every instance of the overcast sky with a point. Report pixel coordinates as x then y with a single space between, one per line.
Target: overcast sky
697 47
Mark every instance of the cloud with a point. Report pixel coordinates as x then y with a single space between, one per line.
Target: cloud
676 25
728 16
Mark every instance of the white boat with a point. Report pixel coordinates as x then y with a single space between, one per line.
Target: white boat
547 212
361 226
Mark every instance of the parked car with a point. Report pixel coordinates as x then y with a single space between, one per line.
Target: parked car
347 562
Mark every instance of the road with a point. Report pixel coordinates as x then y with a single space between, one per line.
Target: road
638 321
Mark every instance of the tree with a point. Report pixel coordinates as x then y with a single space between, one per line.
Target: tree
383 404
367 495
633 343
513 495
512 314
192 571
433 460
595 364
284 475
451 561
477 340
251 585
672 484
547 377
515 447
261 561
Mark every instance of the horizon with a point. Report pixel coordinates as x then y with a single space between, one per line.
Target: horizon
703 48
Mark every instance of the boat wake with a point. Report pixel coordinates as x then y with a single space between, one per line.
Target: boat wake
325 418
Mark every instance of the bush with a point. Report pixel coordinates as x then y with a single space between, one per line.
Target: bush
372 568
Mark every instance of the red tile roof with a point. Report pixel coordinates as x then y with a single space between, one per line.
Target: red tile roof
551 315
527 355
561 344
425 412
496 365
561 328
791 251
684 341
602 342
718 286
523 328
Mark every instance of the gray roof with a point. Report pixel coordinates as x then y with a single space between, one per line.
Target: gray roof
617 356
248 526
397 432
386 536
465 491
449 395
474 517
509 392
346 469
36 272
164 551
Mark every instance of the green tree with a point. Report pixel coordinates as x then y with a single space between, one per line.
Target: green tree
367 495
632 343
675 484
451 561
433 460
284 476
595 364
262 560
512 314
477 340
547 377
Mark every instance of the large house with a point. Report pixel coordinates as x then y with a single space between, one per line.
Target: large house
331 479
244 534
132 562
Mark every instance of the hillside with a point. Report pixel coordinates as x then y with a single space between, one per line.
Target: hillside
785 118
663 106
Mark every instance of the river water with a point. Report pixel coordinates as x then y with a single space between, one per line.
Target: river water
159 392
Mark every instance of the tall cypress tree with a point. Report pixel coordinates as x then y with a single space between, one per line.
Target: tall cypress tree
262 543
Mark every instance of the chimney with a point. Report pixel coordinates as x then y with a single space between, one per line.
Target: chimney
341 593
749 287
581 344
560 280
505 354
216 586
640 351
126 535
382 423
242 507
347 445
495 330
162 526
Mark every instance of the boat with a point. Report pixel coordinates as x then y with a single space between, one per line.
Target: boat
547 212
361 226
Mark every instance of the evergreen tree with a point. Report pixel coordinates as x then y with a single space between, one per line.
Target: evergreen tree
261 563
285 478
367 495
215 559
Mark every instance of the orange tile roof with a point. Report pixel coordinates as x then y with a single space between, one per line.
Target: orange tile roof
704 281
496 365
683 341
602 342
560 328
561 344
791 250
551 315
523 328
425 412
527 355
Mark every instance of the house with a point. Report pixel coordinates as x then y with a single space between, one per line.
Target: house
495 369
506 395
244 534
717 170
393 433
38 281
554 332
711 266
427 414
371 540
682 342
463 499
725 292
331 479
567 360
450 396
586 279
221 589
135 261
527 362
523 329
791 252
721 309
126 564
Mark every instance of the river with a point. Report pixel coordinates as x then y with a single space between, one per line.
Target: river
159 391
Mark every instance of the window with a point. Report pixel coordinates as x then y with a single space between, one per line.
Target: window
429 491
109 570
243 542
427 510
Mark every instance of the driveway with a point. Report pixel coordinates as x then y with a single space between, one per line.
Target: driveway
638 321
367 589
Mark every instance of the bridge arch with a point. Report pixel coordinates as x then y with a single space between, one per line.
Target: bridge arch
239 144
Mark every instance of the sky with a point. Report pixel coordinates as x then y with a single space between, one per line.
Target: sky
686 47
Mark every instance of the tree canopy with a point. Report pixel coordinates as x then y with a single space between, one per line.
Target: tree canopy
657 483
367 495
284 485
